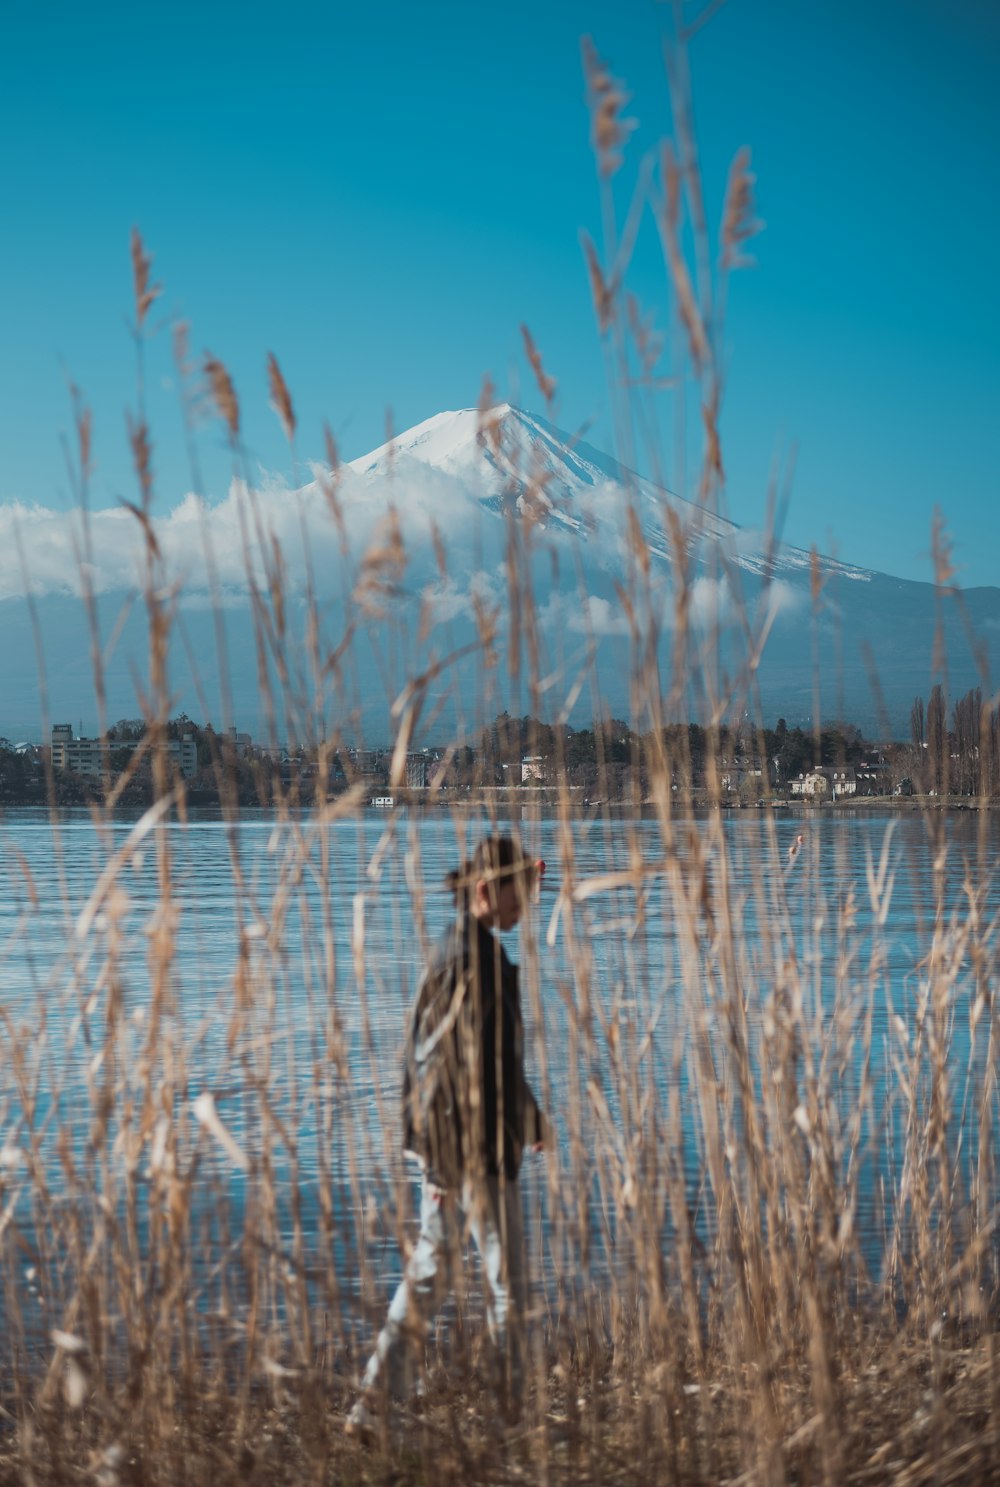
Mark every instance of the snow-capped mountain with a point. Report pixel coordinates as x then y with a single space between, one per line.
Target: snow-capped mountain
411 550
509 458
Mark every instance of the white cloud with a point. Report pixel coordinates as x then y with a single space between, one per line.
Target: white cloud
600 616
446 599
784 599
212 546
711 601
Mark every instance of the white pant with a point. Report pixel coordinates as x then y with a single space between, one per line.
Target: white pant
493 1213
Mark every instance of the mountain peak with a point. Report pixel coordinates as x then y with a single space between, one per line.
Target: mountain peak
508 455
455 436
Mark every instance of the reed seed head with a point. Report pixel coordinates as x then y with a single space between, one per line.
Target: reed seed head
145 292
281 400
606 98
546 384
739 223
220 386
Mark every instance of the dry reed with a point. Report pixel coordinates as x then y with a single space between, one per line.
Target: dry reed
764 1238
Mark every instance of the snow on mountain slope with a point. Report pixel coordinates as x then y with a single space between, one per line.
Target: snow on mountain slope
510 457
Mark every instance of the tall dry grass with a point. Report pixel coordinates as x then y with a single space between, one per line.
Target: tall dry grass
763 1239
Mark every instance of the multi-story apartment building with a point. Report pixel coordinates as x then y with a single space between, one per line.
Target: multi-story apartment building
84 756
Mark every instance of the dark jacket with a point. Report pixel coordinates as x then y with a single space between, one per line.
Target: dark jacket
467 1106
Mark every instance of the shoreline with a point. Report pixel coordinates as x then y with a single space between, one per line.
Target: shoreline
510 799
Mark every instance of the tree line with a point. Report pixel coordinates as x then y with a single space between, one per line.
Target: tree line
611 757
955 754
960 759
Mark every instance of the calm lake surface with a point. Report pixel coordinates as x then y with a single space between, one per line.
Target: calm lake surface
296 951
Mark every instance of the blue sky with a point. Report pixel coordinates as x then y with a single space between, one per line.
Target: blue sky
382 194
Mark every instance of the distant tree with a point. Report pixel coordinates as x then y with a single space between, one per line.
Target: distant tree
991 764
751 788
840 744
177 727
207 743
937 742
616 739
795 754
127 730
581 748
917 725
697 748
967 718
19 779
537 738
464 766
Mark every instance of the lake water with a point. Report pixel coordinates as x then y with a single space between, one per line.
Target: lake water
292 952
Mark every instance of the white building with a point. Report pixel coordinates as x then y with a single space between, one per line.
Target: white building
86 756
828 783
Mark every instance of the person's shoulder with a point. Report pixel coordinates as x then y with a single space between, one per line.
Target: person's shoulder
437 977
446 948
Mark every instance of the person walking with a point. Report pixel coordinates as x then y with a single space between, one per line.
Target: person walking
468 1116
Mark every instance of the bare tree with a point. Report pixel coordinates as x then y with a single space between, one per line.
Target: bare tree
917 727
937 742
918 734
967 721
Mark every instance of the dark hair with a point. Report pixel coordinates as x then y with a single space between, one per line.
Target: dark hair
495 859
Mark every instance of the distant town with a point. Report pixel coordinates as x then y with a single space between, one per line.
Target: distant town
954 756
